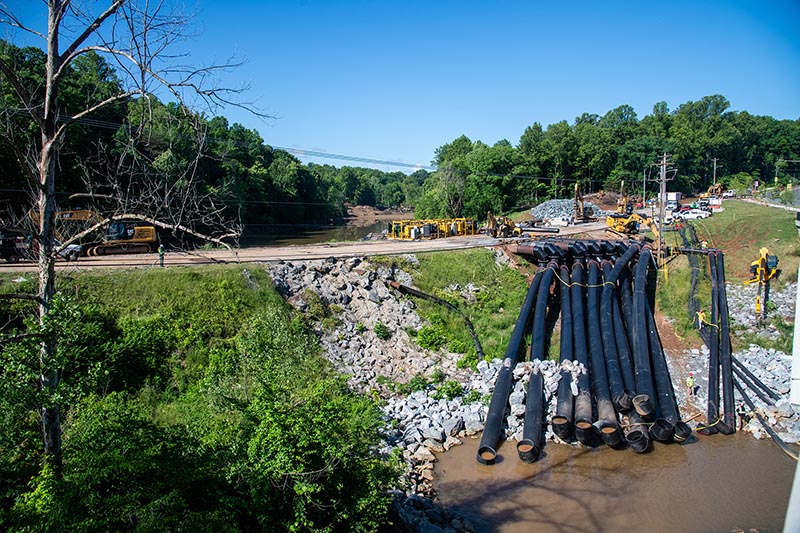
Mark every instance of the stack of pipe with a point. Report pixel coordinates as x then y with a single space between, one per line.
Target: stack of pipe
603 291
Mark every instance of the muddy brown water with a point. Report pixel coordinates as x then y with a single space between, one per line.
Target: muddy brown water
716 483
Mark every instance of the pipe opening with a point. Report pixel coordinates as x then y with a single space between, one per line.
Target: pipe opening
487 455
682 432
638 441
643 406
662 430
527 451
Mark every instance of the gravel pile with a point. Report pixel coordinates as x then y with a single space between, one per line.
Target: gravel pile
562 208
742 308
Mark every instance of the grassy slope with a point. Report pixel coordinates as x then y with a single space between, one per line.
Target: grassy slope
739 231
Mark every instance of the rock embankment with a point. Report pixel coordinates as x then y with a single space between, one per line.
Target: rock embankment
773 367
348 299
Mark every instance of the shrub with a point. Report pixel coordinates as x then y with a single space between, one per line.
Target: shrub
450 389
382 331
431 337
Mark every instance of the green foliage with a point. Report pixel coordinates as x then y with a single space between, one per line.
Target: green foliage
360 328
449 390
382 331
431 337
457 346
469 360
417 383
474 396
189 404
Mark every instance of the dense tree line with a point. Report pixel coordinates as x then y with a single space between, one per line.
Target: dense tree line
263 185
598 152
258 184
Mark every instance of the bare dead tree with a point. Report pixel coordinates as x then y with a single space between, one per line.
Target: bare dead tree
137 37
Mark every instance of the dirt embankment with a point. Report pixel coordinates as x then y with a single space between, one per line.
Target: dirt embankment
365 215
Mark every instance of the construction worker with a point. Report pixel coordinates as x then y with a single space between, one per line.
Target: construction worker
701 318
161 254
690 388
742 416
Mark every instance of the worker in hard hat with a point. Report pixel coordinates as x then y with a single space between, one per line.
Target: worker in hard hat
691 391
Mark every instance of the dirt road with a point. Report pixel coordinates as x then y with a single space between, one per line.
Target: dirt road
292 253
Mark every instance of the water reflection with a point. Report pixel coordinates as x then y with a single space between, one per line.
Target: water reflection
288 234
718 483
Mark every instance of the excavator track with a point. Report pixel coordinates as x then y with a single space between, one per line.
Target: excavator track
113 249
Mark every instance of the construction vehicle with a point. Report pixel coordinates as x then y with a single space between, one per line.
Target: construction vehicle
763 270
630 224
713 190
500 226
126 237
581 213
624 205
431 229
120 236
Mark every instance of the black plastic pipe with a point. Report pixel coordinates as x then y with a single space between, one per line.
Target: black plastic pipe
606 424
742 377
636 434
626 301
620 397
414 292
644 402
529 447
623 349
562 421
712 415
663 429
769 392
583 401
782 445
487 452
729 416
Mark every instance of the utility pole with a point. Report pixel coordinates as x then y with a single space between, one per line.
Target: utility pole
663 204
715 171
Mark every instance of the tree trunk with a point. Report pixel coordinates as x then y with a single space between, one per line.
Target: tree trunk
51 418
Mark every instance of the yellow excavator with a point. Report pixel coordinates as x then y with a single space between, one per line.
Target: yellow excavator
713 190
500 226
120 236
762 271
630 224
624 205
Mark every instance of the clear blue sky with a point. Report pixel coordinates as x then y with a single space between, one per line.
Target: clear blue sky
395 80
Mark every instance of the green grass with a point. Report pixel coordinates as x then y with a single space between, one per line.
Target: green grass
497 304
743 229
740 232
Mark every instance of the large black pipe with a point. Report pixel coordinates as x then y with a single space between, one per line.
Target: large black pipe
742 377
620 397
623 348
529 447
562 421
636 434
713 421
414 292
729 416
663 429
644 402
769 392
606 415
782 445
626 301
583 401
487 452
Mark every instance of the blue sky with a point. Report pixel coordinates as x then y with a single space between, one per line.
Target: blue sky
395 80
